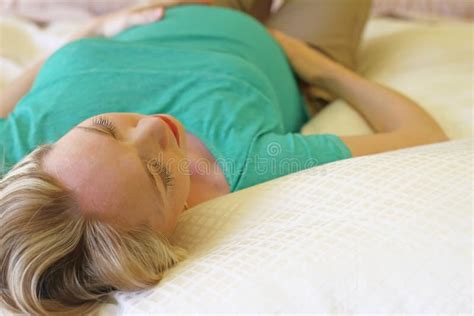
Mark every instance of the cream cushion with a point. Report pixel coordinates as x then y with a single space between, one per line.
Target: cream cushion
387 233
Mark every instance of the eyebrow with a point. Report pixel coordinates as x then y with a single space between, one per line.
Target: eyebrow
150 176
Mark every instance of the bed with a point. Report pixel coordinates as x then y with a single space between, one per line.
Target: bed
385 233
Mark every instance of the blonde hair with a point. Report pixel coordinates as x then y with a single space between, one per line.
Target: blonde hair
53 260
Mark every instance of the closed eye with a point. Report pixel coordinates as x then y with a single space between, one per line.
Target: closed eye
163 172
108 125
97 130
104 126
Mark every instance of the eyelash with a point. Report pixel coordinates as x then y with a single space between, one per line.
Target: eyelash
106 123
157 167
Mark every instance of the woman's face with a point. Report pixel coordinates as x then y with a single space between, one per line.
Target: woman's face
125 167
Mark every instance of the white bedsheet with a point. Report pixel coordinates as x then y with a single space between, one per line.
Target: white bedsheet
387 233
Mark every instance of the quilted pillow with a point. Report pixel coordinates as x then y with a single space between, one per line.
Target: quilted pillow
386 233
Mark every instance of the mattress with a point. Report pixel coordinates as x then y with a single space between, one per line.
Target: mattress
385 233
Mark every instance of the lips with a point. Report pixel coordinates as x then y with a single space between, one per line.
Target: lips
172 126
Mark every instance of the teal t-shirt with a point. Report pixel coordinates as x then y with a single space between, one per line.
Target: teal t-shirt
217 70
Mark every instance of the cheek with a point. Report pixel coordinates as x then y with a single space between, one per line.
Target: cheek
180 171
178 165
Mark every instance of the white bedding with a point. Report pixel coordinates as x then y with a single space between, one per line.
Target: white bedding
387 233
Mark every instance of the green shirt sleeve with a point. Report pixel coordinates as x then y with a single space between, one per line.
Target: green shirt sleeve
272 155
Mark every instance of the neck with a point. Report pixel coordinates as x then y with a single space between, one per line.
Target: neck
207 179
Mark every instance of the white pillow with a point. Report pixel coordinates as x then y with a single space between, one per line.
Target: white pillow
430 63
386 233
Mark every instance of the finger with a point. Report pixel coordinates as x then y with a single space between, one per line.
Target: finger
112 27
145 17
287 40
144 7
271 31
279 36
274 31
165 3
149 6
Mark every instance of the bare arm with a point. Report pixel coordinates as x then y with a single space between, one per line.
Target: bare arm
18 88
398 121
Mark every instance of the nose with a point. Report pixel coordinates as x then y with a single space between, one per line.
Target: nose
151 130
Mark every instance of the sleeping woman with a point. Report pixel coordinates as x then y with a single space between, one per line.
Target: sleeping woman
118 134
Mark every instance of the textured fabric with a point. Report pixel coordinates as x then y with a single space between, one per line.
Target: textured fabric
386 233
231 86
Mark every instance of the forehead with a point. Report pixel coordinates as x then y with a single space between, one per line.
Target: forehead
107 178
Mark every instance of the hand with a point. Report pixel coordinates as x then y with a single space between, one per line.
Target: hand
309 64
111 24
